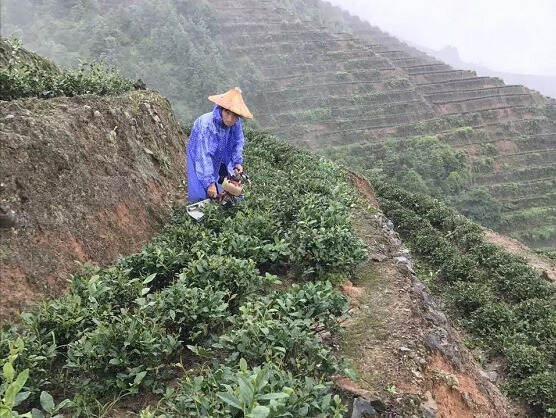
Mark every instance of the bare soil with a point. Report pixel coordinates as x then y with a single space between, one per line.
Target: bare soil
89 179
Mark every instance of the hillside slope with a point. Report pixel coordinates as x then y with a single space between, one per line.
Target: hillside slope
242 308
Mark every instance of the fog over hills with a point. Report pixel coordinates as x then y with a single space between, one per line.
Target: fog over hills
505 39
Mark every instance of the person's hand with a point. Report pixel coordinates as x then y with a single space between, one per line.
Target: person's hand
238 169
212 192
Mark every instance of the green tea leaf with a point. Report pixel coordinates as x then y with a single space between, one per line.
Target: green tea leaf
13 388
259 412
139 378
9 372
230 399
47 401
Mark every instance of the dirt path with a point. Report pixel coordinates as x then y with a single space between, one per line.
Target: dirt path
544 265
404 350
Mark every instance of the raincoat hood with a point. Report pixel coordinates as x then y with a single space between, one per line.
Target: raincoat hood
217 117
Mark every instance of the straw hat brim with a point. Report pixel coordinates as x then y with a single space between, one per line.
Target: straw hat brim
233 101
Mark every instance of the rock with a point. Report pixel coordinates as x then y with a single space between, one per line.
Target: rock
404 252
350 387
405 350
8 219
324 336
3 187
378 257
139 85
390 224
9 117
429 407
466 399
405 264
87 107
97 114
492 376
362 408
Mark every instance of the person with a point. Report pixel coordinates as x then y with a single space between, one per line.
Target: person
215 145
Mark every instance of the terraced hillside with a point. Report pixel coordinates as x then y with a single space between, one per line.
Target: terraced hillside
317 76
357 90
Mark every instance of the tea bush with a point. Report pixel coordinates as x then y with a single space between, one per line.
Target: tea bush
23 79
119 354
191 313
501 301
283 325
265 391
213 284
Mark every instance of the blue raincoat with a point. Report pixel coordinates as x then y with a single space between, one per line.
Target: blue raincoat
211 145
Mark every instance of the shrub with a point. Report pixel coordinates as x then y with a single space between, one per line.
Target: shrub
479 205
539 389
23 80
262 391
239 277
316 301
189 312
524 360
501 300
467 297
121 355
261 335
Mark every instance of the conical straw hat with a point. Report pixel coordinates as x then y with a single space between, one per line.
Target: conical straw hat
232 100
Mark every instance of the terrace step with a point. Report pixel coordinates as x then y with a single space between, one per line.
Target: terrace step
368 87
521 189
470 83
542 237
447 95
325 77
537 173
518 160
529 201
462 106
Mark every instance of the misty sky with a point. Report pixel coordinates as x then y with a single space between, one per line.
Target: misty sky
516 36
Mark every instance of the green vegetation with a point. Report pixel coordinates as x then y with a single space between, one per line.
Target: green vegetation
208 292
172 45
23 78
424 163
478 204
501 301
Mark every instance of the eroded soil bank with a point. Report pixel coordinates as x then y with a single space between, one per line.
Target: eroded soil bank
86 179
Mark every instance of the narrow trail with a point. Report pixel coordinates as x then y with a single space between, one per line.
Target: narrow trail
402 347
